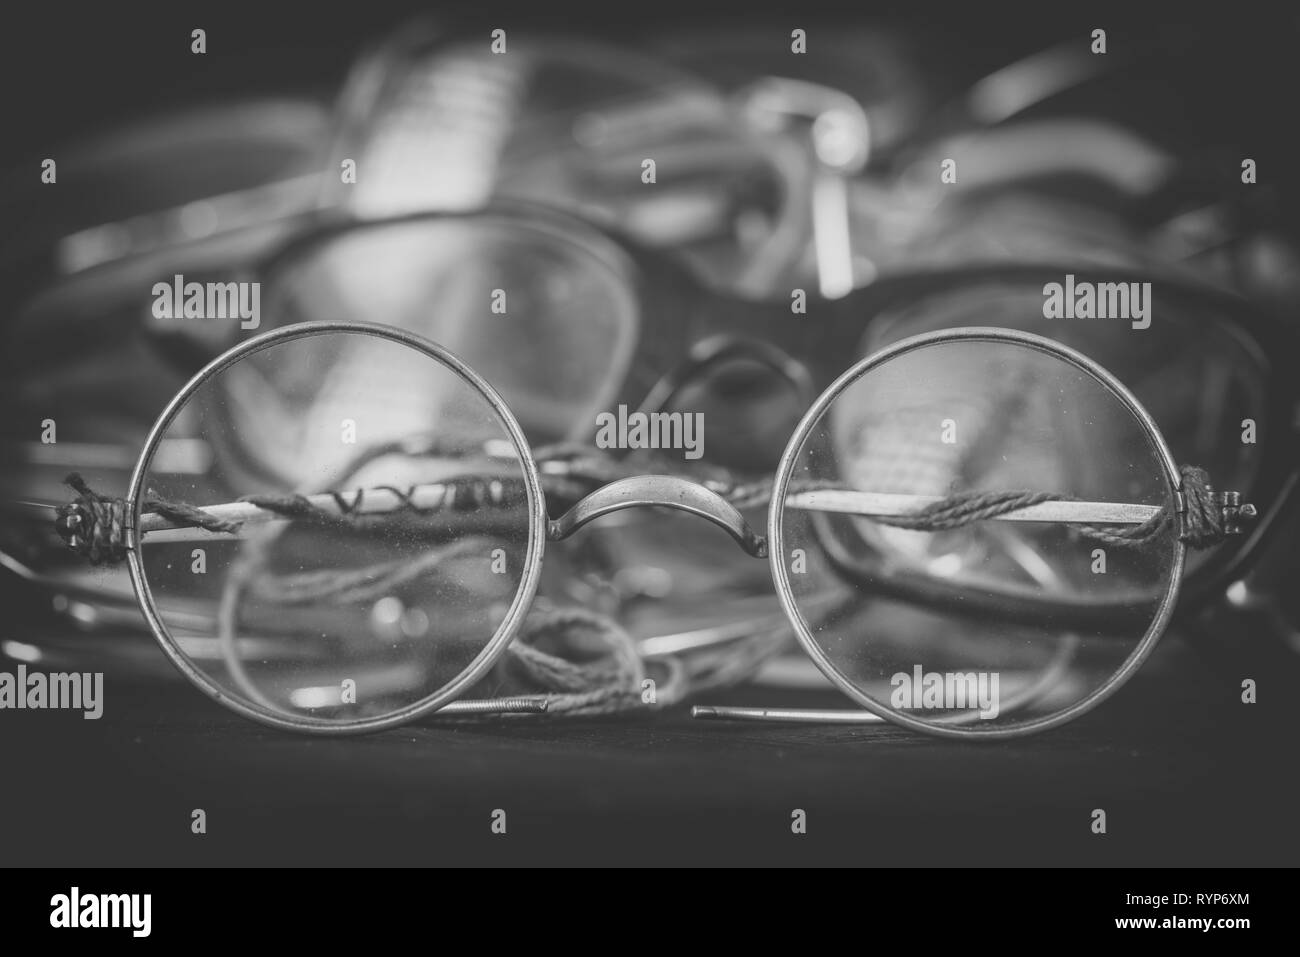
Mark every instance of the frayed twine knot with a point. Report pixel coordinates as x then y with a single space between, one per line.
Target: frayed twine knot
93 526
1204 522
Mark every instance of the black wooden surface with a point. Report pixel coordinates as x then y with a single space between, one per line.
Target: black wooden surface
1187 774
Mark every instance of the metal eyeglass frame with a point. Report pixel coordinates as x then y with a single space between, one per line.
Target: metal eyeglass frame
637 492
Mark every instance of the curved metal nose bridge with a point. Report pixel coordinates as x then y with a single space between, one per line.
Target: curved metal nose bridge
667 491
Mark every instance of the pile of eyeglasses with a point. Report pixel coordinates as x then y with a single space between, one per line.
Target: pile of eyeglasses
975 516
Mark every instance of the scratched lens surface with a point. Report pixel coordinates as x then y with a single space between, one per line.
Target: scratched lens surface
967 618
388 580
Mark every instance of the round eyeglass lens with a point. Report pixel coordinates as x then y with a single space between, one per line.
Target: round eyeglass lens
999 515
375 578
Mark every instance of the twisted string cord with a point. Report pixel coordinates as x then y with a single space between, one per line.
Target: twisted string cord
583 661
587 656
354 586
1206 524
94 525
1203 525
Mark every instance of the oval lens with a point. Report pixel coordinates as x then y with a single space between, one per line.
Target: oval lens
379 570
1040 555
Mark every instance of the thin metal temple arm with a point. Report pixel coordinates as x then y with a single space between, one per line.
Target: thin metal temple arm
795 715
1051 676
891 505
521 704
371 501
666 491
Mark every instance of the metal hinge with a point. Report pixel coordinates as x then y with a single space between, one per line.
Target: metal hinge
1236 515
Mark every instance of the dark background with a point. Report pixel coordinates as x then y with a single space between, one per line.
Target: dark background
1186 773
69 70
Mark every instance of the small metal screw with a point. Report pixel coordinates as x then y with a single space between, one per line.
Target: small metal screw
1235 514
